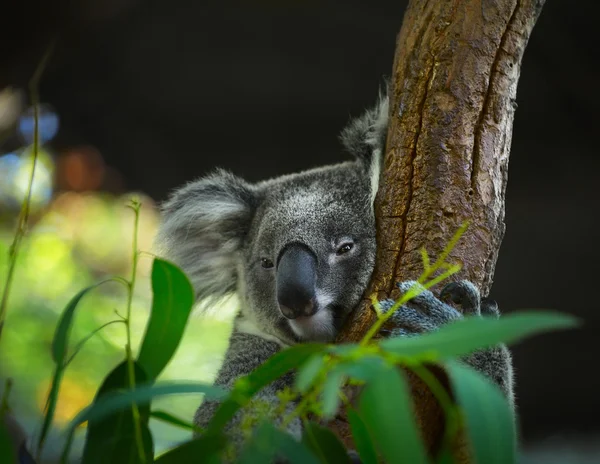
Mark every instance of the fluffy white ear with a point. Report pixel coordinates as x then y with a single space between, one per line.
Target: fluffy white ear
203 226
364 137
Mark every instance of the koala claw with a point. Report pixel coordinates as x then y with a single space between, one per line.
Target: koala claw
489 307
426 313
464 294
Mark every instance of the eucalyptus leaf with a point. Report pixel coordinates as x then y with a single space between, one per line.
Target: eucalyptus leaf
362 439
324 444
445 457
363 369
386 409
331 392
169 418
7 452
308 372
173 298
478 332
260 448
246 387
112 435
489 418
202 450
268 441
60 343
117 400
344 349
121 399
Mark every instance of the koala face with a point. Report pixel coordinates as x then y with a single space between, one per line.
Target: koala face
299 249
309 253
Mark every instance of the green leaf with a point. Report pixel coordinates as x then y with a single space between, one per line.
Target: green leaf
324 444
169 418
63 328
269 441
118 400
201 450
386 408
489 419
246 387
345 349
7 453
308 372
362 440
330 397
260 448
111 434
173 298
115 401
363 369
473 333
445 457
60 344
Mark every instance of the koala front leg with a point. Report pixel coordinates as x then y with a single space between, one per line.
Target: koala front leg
245 353
495 362
426 313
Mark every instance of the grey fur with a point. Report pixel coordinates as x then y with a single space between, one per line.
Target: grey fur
204 224
245 353
367 133
220 227
426 313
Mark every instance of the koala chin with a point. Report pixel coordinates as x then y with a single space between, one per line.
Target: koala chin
299 251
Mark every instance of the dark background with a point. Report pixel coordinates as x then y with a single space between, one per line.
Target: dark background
168 90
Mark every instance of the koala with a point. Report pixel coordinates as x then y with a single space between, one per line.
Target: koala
299 251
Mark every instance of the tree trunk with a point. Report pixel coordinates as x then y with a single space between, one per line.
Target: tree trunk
452 103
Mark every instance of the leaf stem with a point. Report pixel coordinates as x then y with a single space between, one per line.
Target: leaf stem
135 205
82 342
445 252
26 205
439 392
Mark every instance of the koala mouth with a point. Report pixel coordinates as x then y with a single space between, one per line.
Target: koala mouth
320 327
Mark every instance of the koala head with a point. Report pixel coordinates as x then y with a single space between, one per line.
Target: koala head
299 249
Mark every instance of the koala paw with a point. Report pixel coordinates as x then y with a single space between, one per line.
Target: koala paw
426 313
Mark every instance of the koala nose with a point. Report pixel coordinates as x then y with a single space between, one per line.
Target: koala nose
296 281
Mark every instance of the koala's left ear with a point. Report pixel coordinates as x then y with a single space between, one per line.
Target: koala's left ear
202 231
364 137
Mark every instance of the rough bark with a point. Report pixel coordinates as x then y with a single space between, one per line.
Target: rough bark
452 104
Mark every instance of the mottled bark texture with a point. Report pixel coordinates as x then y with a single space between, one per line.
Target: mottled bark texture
453 90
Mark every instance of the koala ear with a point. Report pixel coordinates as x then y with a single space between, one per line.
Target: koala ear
364 137
204 225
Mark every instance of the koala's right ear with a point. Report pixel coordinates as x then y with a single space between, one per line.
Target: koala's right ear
364 138
203 226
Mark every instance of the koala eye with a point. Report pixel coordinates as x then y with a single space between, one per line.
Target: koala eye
266 263
345 248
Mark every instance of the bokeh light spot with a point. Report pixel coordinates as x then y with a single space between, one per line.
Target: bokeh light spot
48 124
81 169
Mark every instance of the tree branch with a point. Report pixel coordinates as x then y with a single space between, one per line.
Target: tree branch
452 103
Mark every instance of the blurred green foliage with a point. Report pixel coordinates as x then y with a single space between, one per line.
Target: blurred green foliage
76 241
